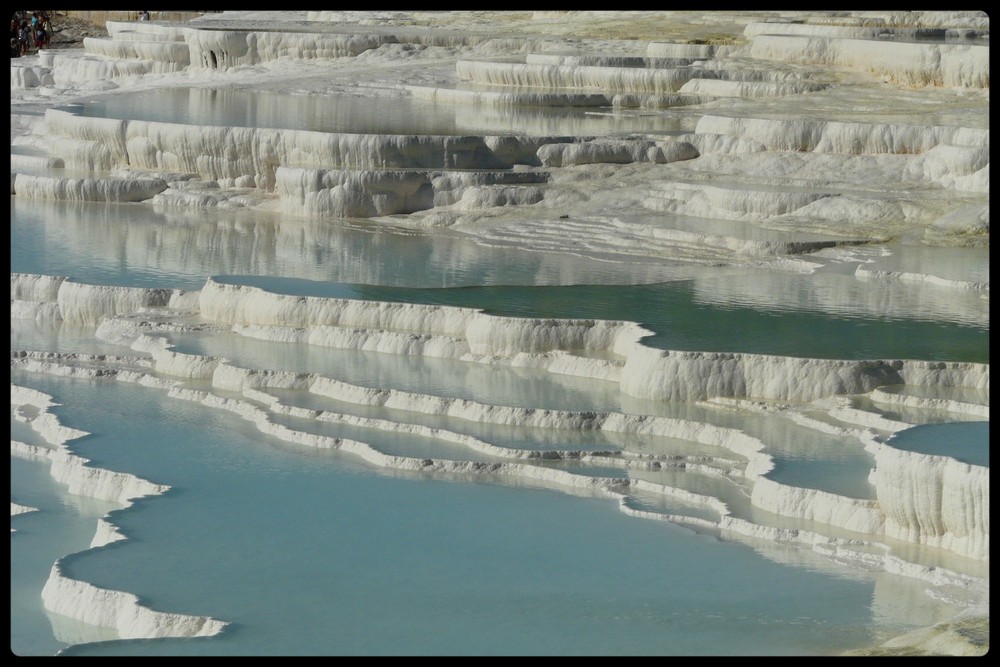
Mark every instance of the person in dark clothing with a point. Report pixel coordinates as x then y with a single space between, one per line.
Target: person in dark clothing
15 38
47 26
25 38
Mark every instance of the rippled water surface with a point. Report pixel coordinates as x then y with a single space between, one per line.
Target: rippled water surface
531 548
703 311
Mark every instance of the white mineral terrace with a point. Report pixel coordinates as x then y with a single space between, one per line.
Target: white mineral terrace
948 507
444 179
16 509
112 609
803 144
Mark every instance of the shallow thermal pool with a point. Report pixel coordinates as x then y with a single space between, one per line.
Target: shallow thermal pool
687 308
309 552
968 442
369 486
368 112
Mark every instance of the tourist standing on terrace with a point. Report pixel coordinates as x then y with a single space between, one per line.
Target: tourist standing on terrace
15 38
25 38
47 27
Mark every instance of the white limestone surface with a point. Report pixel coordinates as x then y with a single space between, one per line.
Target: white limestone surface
935 500
788 134
30 77
146 30
924 402
34 163
682 50
486 334
103 73
256 153
685 376
909 64
784 124
223 49
81 600
16 509
86 189
81 302
615 152
172 52
371 193
858 29
609 80
119 610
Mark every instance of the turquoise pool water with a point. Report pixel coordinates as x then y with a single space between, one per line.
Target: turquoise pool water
306 552
968 442
311 553
132 245
64 523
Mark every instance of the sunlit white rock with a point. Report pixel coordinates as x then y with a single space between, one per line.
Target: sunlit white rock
87 189
912 64
611 151
686 376
934 500
845 172
222 49
861 516
16 509
923 402
606 79
841 136
85 303
119 610
175 53
679 50
30 77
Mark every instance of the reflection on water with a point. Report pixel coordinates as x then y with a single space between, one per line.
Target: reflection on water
289 543
319 542
295 544
419 374
367 113
831 315
134 245
678 320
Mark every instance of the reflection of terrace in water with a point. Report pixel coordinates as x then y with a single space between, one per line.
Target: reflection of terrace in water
364 112
716 285
92 241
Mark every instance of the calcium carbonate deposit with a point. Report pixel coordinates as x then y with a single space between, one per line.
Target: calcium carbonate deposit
700 265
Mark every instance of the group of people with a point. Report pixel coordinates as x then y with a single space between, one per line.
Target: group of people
26 33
